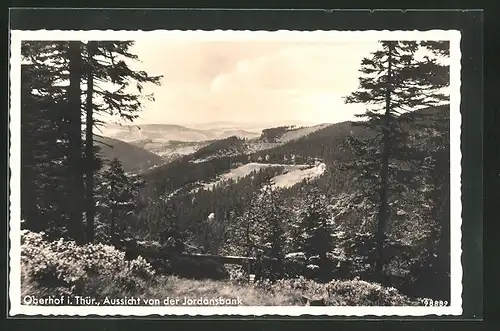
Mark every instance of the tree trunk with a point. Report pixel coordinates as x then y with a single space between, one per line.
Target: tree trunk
29 203
29 210
112 225
89 144
383 213
76 193
247 237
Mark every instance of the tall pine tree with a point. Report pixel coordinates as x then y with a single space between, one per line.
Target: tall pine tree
89 143
117 199
272 232
45 131
42 151
316 227
74 54
52 95
393 81
113 88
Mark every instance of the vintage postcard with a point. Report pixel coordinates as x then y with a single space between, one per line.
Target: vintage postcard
235 173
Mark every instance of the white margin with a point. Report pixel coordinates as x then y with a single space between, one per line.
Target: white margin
17 36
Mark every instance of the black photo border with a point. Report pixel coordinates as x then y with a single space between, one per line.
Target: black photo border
470 24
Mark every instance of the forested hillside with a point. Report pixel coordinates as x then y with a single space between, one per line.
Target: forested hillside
347 201
334 203
134 159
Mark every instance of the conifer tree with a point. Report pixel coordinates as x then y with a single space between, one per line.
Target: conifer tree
315 233
272 232
45 136
393 82
39 158
61 64
316 238
118 90
89 143
74 55
117 198
53 94
243 229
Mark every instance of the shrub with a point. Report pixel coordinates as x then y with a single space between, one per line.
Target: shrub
323 269
237 274
67 268
339 292
357 292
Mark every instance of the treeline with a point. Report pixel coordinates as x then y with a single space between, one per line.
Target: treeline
273 134
224 147
190 206
66 87
325 144
182 172
202 166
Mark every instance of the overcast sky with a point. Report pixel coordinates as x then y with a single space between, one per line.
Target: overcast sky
251 81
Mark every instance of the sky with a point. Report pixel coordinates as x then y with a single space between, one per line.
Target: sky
251 81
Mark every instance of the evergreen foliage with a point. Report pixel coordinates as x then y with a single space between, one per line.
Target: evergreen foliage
316 225
117 201
52 92
394 81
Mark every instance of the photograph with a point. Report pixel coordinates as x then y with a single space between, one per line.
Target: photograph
235 173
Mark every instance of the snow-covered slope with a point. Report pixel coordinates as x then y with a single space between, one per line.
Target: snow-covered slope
296 176
247 169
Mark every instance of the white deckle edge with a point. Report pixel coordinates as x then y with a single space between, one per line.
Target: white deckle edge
17 36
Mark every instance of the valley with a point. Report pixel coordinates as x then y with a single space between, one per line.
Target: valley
171 142
133 158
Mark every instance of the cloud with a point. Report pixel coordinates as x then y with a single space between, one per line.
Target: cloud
250 81
298 67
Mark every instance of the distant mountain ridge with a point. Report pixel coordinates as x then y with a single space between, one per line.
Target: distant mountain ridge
325 142
250 126
163 133
162 143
